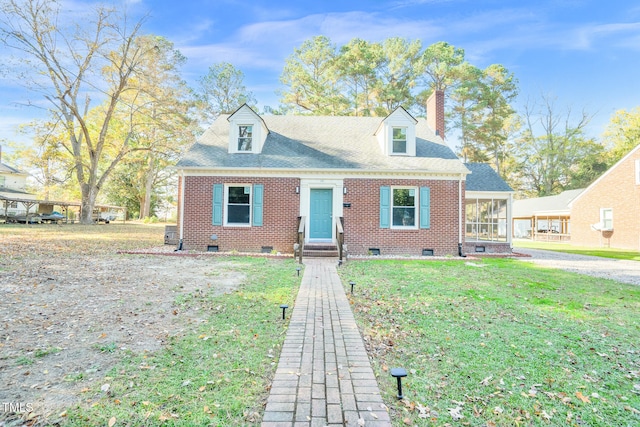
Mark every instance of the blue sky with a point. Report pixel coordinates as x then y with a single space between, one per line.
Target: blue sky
585 53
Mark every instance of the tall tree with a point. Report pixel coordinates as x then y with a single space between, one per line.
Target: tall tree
550 147
154 118
465 99
622 133
397 74
498 88
67 65
46 163
222 91
439 63
311 78
356 66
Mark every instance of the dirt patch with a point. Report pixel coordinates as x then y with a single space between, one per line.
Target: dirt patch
64 320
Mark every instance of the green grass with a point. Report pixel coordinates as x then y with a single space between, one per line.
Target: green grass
215 373
501 342
568 248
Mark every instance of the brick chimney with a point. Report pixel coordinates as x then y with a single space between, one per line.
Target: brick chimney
435 112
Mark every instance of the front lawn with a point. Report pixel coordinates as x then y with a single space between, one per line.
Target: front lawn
500 342
580 250
217 373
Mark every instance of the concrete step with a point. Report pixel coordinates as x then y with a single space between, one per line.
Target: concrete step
320 253
320 250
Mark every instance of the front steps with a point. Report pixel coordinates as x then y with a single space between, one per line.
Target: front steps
320 250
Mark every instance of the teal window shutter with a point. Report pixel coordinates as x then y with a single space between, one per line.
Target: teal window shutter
258 196
385 206
217 204
425 207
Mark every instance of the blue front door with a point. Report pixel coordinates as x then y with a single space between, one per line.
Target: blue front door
320 218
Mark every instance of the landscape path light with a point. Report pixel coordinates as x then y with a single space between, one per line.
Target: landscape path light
398 373
284 308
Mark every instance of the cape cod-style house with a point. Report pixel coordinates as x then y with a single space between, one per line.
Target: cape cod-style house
388 186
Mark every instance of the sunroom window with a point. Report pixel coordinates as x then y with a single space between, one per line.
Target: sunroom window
486 220
245 136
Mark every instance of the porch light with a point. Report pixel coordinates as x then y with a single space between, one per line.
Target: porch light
344 190
297 189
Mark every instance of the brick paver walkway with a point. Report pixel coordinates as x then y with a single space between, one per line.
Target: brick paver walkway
324 377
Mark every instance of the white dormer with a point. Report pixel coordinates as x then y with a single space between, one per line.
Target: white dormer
397 134
247 131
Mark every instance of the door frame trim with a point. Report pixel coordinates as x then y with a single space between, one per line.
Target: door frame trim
306 185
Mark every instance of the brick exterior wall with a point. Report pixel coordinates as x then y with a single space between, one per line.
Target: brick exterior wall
280 216
617 190
469 248
362 219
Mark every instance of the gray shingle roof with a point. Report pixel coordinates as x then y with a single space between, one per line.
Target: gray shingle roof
484 178
322 142
558 204
4 168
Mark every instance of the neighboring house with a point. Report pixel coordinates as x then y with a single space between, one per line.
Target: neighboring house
607 213
544 218
13 185
392 183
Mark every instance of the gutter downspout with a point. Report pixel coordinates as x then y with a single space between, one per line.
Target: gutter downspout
181 210
461 218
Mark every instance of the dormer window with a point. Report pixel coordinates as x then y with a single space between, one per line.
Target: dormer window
245 136
396 134
399 140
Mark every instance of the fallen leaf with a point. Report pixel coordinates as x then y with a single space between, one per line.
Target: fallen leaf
632 410
105 387
485 382
202 388
585 399
456 413
112 421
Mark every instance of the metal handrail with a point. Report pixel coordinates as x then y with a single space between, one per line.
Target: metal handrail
301 230
340 236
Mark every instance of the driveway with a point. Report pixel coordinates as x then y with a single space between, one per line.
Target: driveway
620 270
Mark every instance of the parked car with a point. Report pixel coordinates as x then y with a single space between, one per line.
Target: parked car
52 217
22 219
105 217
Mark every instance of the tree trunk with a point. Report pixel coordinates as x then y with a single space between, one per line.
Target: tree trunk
88 203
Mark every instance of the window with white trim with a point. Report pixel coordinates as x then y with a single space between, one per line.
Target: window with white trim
606 218
403 208
245 137
237 201
486 219
399 140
